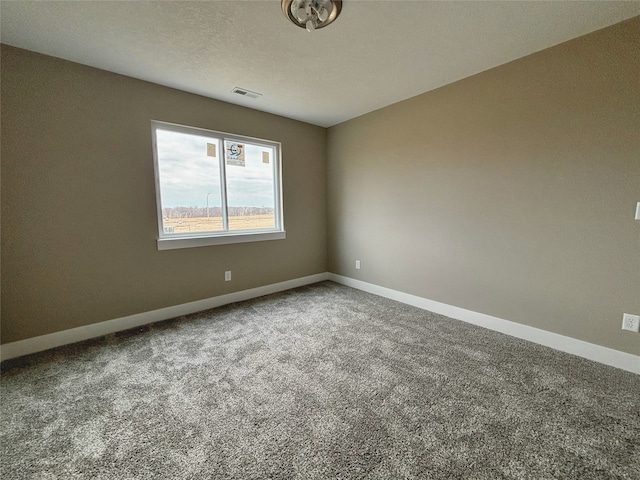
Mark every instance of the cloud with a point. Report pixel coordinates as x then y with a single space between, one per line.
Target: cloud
188 176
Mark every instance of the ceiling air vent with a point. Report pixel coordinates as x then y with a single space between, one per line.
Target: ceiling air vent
246 93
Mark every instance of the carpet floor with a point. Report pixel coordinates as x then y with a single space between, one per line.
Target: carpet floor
319 382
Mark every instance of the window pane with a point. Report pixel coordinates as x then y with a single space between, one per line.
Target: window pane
250 185
189 175
214 188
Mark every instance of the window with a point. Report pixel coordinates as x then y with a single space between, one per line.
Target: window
214 188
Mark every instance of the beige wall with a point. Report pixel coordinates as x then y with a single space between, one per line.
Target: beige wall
511 193
79 223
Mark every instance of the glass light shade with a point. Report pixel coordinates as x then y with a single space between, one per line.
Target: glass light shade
311 14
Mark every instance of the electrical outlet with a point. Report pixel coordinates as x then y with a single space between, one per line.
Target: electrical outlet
357 264
631 322
227 276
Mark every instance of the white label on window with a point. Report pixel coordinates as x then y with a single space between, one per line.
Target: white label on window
265 157
235 154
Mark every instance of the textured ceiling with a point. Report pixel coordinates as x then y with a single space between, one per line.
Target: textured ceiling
375 54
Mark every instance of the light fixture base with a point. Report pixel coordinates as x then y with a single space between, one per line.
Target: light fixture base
309 14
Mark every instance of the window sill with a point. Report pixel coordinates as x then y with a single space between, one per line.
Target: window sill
191 242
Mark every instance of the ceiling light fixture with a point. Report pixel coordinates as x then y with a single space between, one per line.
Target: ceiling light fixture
311 14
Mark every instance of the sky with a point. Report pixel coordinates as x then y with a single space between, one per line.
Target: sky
188 175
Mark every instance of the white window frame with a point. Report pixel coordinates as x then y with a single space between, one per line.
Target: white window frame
189 240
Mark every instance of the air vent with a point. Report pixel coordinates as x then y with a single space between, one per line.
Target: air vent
246 93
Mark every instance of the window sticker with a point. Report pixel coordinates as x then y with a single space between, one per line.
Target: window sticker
211 149
265 157
235 154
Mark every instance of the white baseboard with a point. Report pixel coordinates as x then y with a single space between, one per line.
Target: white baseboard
597 353
52 340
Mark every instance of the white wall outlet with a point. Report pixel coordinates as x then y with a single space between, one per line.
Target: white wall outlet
631 322
638 211
357 264
227 276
